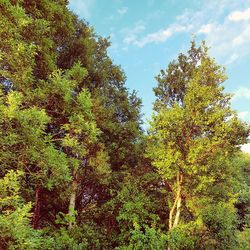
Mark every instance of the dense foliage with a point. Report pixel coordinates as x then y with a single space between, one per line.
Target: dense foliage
77 171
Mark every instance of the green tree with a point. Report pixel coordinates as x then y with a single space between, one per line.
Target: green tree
242 164
117 114
47 126
194 133
67 119
15 216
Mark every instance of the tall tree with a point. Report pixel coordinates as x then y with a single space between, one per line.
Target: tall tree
50 62
194 131
47 125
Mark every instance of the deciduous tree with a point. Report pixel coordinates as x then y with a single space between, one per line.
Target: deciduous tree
194 132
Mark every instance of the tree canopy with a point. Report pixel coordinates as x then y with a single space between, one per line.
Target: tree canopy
77 170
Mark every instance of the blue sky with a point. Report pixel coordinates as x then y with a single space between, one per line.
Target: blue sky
147 34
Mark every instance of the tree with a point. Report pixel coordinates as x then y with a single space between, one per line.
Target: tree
16 232
242 163
72 165
194 132
47 126
67 119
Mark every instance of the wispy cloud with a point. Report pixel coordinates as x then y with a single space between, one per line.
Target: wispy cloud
131 34
228 38
243 37
187 22
242 92
156 37
122 11
206 29
82 7
243 114
239 15
232 59
160 36
246 148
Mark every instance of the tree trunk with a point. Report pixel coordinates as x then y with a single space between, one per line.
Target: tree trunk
72 201
170 219
173 220
176 208
36 214
178 212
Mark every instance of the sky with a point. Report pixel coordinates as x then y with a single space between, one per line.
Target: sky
146 35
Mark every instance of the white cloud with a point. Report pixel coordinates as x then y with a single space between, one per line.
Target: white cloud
243 114
236 16
206 29
156 37
243 37
232 58
82 7
246 148
131 34
122 11
242 92
161 35
229 40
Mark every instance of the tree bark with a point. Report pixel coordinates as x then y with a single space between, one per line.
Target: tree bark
174 219
170 219
72 201
36 214
178 212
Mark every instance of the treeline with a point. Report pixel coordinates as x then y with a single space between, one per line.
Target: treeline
78 171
